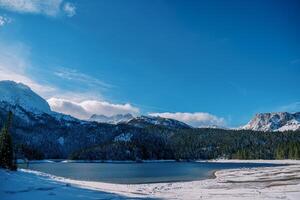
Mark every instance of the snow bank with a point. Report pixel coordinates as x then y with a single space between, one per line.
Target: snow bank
23 185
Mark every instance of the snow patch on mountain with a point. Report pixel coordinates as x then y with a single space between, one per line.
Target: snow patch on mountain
143 121
124 137
139 121
277 121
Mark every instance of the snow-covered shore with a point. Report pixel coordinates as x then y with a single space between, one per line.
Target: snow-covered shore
278 182
283 162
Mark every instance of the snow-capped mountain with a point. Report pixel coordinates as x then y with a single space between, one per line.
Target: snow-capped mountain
42 133
144 121
25 100
115 119
20 94
48 133
140 121
277 121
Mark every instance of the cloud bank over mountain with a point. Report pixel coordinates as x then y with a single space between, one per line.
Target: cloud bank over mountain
15 64
197 119
85 109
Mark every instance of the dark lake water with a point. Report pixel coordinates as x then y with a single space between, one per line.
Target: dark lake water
134 173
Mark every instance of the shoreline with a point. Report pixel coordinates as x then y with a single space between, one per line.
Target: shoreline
276 182
280 162
277 163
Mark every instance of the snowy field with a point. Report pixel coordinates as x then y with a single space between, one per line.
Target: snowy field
280 182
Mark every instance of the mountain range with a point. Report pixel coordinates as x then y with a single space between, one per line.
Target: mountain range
139 121
39 132
18 94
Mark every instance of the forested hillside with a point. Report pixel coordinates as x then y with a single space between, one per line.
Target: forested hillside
191 144
57 136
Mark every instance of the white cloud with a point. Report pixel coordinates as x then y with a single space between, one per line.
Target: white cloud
14 60
293 107
84 109
69 9
4 20
295 61
45 7
14 65
197 119
19 77
74 75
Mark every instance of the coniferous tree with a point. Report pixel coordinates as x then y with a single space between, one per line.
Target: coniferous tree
6 146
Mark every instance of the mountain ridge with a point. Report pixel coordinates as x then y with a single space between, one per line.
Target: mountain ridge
114 119
274 121
37 134
22 98
144 121
18 94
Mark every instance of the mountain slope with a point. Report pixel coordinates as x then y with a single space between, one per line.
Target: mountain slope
277 121
43 135
20 94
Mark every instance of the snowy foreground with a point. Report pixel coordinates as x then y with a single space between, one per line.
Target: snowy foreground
257 183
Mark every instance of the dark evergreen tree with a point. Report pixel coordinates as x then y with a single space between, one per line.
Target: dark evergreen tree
6 146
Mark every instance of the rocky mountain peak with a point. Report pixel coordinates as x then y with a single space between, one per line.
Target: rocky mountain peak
276 121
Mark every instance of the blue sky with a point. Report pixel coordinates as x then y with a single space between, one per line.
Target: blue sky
210 62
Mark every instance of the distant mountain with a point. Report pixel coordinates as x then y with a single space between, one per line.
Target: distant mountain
213 127
144 121
39 132
277 121
24 102
115 119
140 121
20 94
